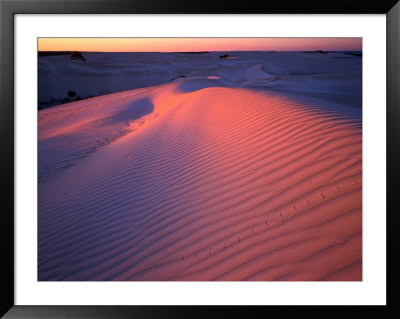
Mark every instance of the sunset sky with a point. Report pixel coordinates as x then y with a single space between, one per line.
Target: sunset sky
197 44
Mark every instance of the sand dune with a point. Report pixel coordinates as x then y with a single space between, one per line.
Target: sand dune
197 180
333 74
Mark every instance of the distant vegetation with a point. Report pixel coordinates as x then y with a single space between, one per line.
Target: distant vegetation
317 51
225 56
199 52
71 96
77 56
74 55
354 54
52 53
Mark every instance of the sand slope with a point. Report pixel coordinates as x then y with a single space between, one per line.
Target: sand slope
196 180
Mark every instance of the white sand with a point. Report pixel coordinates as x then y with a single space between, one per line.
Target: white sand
216 176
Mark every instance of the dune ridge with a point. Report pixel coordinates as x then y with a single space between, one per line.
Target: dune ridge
215 183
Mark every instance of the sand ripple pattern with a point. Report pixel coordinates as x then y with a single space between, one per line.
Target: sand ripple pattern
223 184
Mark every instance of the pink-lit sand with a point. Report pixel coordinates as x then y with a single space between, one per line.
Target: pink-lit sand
197 180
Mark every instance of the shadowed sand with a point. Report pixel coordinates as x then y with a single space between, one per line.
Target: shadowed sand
196 180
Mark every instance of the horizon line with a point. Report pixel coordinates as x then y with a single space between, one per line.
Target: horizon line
202 51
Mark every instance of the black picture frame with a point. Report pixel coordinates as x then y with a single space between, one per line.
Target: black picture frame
8 8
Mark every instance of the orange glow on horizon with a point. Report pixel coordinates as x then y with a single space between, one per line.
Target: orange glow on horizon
197 44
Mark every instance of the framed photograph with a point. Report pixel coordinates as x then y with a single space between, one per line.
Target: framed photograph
172 159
